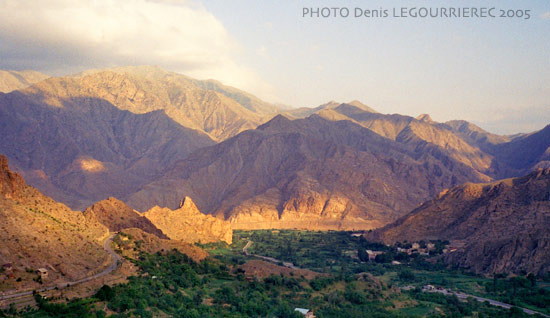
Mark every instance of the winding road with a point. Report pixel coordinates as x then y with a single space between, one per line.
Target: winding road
464 296
114 264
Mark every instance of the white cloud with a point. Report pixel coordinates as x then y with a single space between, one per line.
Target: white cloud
64 35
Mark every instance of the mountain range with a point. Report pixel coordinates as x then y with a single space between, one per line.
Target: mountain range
83 138
117 141
308 173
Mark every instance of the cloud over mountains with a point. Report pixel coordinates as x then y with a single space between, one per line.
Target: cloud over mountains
177 35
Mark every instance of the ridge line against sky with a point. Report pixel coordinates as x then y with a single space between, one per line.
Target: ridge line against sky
493 72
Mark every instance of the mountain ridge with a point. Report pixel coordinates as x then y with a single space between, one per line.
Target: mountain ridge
285 169
501 226
14 80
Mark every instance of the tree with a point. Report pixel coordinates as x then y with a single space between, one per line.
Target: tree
406 275
105 293
362 254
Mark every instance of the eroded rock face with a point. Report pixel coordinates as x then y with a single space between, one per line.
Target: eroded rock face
116 216
188 224
11 183
503 226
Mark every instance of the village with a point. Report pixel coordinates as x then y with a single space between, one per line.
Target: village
395 254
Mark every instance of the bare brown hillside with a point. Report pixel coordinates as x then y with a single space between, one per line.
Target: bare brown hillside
153 244
37 232
117 216
503 225
14 80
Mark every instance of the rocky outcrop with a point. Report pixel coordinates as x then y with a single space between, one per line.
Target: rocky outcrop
189 225
11 183
502 226
116 216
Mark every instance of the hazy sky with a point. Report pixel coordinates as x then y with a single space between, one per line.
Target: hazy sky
493 71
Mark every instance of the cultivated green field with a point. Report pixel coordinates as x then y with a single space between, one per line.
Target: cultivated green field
172 285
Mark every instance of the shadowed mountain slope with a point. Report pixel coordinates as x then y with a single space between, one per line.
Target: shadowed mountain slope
527 152
85 149
104 133
307 173
502 226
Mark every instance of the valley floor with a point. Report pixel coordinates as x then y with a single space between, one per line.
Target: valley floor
326 272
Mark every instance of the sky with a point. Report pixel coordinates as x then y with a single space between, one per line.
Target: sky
494 72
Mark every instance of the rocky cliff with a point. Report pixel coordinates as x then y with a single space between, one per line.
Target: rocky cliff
11 183
189 225
116 216
502 226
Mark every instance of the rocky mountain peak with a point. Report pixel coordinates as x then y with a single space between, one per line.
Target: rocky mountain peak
188 205
425 118
188 224
276 123
117 215
362 106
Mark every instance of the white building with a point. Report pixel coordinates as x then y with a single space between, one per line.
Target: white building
306 312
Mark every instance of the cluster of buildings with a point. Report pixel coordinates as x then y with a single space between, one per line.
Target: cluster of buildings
8 270
415 248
